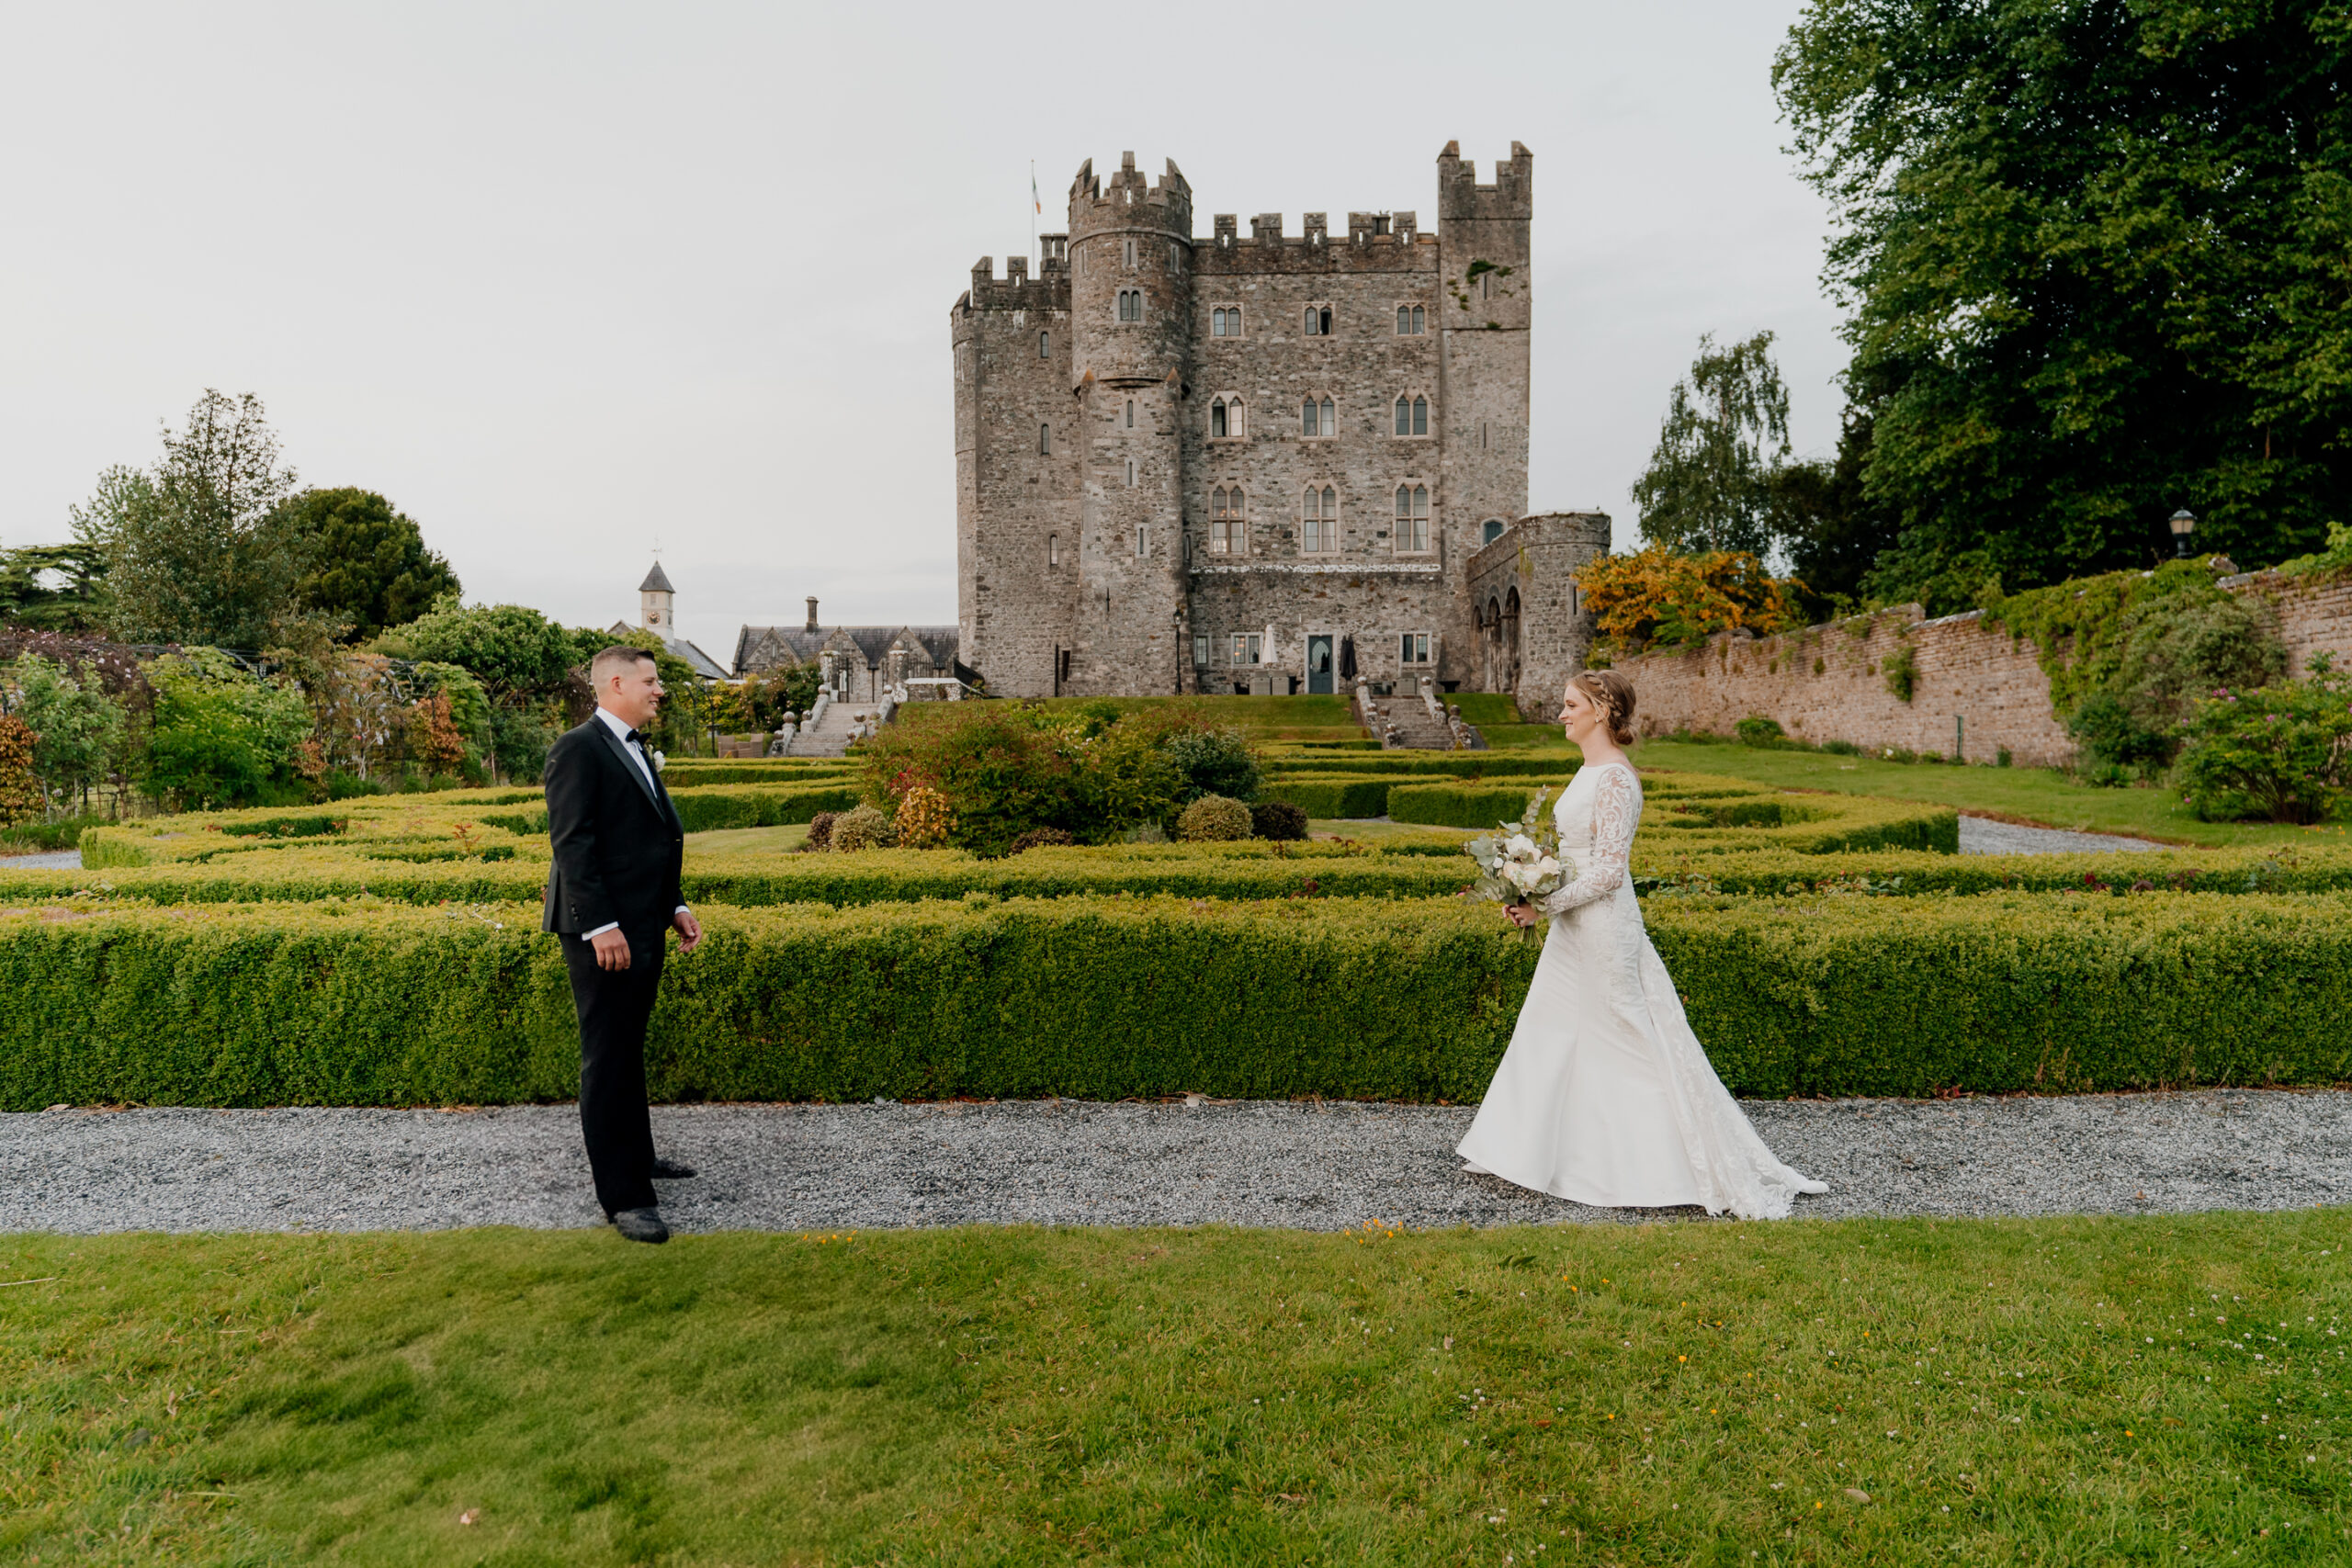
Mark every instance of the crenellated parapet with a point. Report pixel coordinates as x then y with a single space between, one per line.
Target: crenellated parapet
1049 290
1127 201
1460 198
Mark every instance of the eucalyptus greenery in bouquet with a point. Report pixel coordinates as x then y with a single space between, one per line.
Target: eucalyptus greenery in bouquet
1521 864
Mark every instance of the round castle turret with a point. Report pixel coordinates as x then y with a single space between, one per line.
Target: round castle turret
1131 327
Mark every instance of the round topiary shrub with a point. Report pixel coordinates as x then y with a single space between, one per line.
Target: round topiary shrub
1214 761
1214 817
1278 820
861 827
1040 838
925 820
820 829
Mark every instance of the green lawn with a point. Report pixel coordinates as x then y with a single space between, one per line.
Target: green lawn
790 836
2064 1392
2040 795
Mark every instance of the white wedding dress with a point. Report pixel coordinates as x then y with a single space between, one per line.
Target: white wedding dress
1605 1097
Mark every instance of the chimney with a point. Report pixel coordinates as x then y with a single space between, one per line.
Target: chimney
812 611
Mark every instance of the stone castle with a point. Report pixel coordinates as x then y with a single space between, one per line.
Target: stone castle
1261 462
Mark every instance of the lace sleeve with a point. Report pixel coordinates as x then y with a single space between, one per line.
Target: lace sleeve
1616 812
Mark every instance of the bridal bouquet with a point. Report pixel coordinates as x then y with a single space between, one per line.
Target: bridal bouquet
1521 864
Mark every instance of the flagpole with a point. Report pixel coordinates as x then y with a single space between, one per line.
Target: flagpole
1034 256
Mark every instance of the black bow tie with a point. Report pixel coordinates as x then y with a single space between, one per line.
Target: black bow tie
632 738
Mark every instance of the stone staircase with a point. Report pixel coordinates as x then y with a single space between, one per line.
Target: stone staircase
831 726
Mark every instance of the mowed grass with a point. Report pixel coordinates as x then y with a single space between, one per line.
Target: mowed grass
2063 1392
789 836
2040 795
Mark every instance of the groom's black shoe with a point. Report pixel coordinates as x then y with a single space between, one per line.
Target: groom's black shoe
671 1170
642 1224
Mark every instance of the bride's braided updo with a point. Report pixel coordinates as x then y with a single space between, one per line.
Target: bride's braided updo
1613 694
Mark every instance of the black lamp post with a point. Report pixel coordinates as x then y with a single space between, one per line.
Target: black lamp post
2183 524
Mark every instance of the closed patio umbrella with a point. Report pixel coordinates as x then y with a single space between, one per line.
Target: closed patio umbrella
1346 659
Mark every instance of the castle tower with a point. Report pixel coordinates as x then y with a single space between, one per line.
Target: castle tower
655 600
1131 331
1485 299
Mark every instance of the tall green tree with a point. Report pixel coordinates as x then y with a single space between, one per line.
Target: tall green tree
2098 260
54 588
1827 523
198 549
364 563
1709 483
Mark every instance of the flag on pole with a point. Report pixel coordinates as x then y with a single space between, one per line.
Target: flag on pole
1033 201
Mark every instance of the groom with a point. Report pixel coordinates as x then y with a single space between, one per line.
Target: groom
612 896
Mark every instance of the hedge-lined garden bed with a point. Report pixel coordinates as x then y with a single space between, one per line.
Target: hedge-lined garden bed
1104 999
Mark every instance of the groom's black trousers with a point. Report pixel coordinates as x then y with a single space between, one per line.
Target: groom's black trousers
614 1007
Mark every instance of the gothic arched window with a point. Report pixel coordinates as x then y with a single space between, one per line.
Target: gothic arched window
1131 304
1226 534
1318 517
1412 517
1412 415
1315 417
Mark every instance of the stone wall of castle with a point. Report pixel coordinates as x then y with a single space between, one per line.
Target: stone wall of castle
1179 514
1532 628
1976 690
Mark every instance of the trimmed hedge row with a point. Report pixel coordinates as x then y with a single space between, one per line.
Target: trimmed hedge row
720 805
1418 764
1665 868
369 1005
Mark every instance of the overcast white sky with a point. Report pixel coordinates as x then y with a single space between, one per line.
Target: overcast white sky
566 280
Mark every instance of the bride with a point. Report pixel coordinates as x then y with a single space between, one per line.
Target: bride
1605 1095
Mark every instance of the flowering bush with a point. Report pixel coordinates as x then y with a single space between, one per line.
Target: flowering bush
1657 597
925 820
20 796
2282 752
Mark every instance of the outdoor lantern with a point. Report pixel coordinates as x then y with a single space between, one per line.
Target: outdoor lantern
2183 524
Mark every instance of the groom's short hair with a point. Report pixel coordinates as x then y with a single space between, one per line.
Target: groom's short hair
609 661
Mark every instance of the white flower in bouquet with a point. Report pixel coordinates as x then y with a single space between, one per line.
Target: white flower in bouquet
659 762
1521 863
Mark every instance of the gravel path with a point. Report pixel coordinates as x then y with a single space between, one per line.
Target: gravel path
60 860
1316 1167
1983 836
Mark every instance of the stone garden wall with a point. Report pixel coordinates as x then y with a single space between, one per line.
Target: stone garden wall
1975 689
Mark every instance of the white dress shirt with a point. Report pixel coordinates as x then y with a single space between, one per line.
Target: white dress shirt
635 750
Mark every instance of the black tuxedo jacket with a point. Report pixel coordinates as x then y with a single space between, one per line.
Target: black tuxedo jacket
618 844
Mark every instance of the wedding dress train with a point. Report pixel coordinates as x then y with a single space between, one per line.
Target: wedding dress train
1605 1095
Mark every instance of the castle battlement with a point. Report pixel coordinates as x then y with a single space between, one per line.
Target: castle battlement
1129 201
1364 229
1460 196
1018 291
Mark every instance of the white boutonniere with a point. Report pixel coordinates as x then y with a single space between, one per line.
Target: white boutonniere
659 762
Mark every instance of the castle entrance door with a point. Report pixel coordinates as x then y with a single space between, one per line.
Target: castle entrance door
1319 666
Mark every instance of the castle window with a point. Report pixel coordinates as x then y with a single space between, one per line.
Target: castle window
1224 419
1226 322
1131 473
1044 347
1046 438
1318 321
1412 415
1413 647
1491 531
1246 647
1143 545
1226 536
1127 254
1412 517
1200 649
1131 413
1412 321
1315 418
1053 551
1318 517
1131 304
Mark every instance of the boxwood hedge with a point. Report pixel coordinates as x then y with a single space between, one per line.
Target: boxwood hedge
365 1004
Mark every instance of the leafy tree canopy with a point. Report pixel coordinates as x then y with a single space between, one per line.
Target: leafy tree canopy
1709 483
518 654
2097 258
57 588
364 563
196 547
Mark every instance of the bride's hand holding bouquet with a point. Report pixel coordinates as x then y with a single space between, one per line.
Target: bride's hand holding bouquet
1519 866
